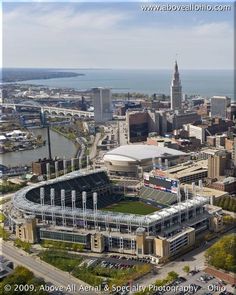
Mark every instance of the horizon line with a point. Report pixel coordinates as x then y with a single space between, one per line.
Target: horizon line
110 68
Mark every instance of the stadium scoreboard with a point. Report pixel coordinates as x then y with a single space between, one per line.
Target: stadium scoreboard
161 183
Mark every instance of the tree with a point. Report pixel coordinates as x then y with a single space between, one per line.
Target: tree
186 269
229 219
222 254
4 234
172 276
219 202
26 246
159 283
21 276
226 203
234 208
231 203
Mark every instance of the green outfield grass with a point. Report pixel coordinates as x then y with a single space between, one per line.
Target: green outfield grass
129 206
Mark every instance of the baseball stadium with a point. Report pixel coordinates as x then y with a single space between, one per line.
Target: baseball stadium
80 207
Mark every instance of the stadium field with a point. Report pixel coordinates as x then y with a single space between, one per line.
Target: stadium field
129 206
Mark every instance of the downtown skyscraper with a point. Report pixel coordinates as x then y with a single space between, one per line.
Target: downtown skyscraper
102 104
176 90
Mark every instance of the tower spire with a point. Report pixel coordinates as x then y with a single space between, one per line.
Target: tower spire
176 67
176 89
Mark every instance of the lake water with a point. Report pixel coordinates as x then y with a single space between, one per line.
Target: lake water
203 82
60 147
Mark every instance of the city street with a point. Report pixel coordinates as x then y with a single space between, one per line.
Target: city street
93 150
43 270
122 133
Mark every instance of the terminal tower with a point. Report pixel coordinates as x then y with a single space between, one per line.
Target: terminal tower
176 90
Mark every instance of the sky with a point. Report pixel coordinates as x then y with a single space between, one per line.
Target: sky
114 35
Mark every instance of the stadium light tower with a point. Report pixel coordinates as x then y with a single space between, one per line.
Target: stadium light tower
63 207
87 162
186 198
52 195
73 198
72 164
42 195
95 208
194 189
84 200
200 187
56 169
49 143
48 170
179 201
65 166
117 223
107 222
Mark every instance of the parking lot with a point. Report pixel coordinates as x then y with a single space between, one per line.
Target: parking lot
105 264
199 283
196 282
114 262
131 259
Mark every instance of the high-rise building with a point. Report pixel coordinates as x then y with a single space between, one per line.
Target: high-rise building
141 123
177 120
219 105
208 128
217 164
176 90
138 125
102 104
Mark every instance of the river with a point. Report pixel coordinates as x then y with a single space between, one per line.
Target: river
60 146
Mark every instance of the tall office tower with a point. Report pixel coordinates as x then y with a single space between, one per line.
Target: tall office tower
176 90
219 105
142 122
217 164
102 104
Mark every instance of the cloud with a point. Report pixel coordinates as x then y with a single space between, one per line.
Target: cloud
74 36
213 29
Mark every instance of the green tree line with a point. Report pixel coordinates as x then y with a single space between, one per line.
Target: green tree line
226 202
8 187
222 254
21 276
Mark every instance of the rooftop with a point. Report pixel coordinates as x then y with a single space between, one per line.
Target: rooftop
212 152
186 169
208 192
141 152
227 180
183 231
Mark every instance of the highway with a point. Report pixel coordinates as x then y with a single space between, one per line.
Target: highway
44 270
93 150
